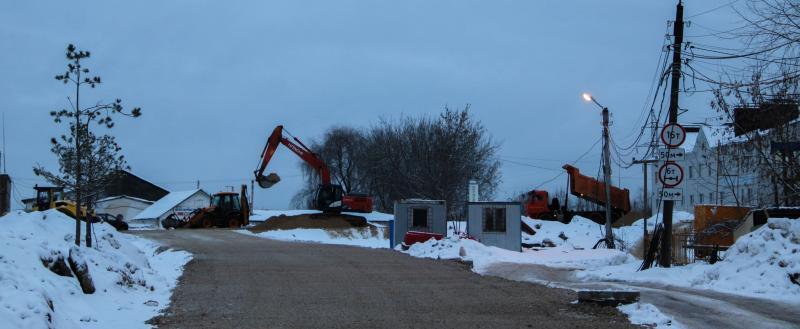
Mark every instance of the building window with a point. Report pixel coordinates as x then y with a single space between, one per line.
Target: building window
700 172
710 197
494 219
691 171
701 198
691 199
709 171
420 217
750 194
721 197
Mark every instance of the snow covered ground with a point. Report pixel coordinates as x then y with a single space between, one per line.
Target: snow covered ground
760 264
260 215
133 277
583 233
763 264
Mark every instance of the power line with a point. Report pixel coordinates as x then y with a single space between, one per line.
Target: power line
713 9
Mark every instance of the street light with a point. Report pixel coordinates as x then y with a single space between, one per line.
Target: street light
589 98
606 170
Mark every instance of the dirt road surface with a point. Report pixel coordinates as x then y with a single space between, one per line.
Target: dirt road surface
692 308
239 281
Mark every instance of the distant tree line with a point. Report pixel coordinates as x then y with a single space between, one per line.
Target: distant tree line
413 157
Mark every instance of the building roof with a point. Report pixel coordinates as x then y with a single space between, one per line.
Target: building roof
124 197
167 203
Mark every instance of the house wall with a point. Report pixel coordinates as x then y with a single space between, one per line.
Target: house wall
126 207
511 239
437 217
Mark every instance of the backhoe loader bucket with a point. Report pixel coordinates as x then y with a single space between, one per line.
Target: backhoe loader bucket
268 180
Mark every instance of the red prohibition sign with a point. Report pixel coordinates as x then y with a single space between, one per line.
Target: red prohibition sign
668 135
678 179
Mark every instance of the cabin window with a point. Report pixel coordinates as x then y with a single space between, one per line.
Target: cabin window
494 219
420 217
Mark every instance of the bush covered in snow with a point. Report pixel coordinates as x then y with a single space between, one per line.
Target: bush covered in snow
44 276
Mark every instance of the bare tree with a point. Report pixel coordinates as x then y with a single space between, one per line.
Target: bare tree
340 148
754 151
85 160
424 157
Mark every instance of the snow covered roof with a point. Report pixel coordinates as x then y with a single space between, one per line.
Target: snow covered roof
165 204
125 197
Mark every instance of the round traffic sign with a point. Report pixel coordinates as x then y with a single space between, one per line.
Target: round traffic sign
673 135
670 174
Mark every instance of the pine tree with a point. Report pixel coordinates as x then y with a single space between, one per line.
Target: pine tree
86 161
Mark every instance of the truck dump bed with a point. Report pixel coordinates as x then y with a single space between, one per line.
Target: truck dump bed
592 190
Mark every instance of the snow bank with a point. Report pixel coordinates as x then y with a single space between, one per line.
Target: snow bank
760 264
648 315
582 233
370 237
484 256
132 279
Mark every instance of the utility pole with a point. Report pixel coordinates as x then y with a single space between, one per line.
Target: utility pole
719 200
647 209
665 259
252 194
607 179
644 163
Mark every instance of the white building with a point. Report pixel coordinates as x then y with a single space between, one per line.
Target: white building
124 205
180 203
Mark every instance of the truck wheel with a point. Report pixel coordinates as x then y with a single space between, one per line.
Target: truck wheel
207 223
234 223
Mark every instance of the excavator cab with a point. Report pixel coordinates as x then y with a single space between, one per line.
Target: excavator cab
329 198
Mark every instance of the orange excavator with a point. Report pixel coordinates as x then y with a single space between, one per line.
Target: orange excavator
329 198
584 187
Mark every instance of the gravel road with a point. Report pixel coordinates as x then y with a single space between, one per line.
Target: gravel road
238 281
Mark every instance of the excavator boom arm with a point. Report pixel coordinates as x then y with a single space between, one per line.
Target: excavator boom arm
277 138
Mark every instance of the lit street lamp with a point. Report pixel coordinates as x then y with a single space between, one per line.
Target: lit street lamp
606 170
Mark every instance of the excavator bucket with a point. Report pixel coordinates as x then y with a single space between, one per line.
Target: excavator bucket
268 180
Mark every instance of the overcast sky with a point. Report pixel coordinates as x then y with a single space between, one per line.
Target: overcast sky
214 77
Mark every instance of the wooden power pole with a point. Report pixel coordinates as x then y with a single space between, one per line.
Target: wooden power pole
665 259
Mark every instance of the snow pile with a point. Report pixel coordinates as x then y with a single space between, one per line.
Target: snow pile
579 233
582 233
373 236
483 256
760 264
648 315
132 277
